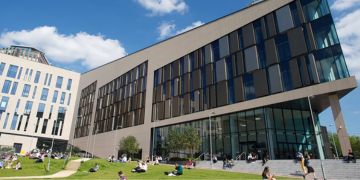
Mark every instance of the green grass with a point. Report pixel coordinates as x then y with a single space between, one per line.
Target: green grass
30 168
109 171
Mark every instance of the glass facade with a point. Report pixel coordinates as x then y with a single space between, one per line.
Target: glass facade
293 47
280 130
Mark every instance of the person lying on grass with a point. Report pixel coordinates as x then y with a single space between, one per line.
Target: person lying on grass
142 167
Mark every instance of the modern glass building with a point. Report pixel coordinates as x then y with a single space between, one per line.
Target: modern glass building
260 76
36 100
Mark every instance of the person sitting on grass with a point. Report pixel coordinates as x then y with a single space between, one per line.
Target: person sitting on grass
178 170
1 164
18 166
41 159
94 169
122 176
189 164
267 175
142 167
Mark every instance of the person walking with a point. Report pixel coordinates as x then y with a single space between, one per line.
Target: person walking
309 168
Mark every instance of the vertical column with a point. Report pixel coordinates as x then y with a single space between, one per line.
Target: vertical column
340 124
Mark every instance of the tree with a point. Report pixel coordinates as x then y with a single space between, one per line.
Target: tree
129 145
183 139
354 141
191 139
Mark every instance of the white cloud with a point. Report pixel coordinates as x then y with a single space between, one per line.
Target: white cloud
339 5
348 30
167 29
91 50
161 7
192 26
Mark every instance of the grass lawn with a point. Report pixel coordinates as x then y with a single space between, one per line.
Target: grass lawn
30 168
109 171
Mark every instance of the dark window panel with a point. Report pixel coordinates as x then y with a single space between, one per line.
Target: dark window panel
284 19
240 67
270 25
221 71
286 76
263 28
295 74
209 74
222 98
142 116
167 109
175 107
300 11
309 37
297 41
274 79
251 59
248 35
238 89
249 86
161 110
234 42
223 47
168 90
175 69
212 96
186 82
186 104
304 73
208 54
260 83
159 93
196 79
283 48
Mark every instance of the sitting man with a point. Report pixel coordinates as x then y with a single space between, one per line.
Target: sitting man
142 167
178 170
18 166
351 157
94 169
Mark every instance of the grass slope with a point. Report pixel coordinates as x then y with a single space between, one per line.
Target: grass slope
109 171
30 168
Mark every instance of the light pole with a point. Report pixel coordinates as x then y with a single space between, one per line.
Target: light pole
317 140
337 155
211 153
116 130
93 148
52 145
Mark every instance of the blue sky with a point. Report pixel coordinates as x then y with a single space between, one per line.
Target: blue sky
83 34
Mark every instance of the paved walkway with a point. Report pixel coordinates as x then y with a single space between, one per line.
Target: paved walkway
71 168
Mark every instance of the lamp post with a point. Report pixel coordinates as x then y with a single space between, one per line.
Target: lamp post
337 154
211 153
52 145
116 130
93 148
317 140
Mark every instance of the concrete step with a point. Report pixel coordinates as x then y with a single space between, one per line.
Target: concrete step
333 169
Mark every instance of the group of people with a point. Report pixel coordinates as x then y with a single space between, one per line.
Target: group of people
251 158
11 162
122 159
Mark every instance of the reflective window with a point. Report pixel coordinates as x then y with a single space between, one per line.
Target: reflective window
284 19
14 88
14 121
44 94
55 95
215 49
221 70
324 32
224 46
314 9
62 98
69 83
3 104
37 77
6 87
59 81
28 107
286 76
12 71
49 82
251 59
274 79
34 92
283 47
46 78
249 86
20 72
2 66
69 98
26 90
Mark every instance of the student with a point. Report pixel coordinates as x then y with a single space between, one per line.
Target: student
18 166
310 169
94 169
142 167
351 157
122 176
267 175
178 170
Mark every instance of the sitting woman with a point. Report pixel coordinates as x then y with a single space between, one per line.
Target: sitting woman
189 164
267 175
178 170
18 166
142 167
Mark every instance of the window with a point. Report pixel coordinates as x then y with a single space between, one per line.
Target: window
14 88
2 66
6 87
44 94
68 87
37 77
283 47
20 72
251 59
221 70
26 90
324 32
30 74
28 107
59 81
3 104
69 98
26 73
46 78
12 71
62 98
223 47
34 92
274 77
314 9
14 121
249 86
284 19
54 99
49 82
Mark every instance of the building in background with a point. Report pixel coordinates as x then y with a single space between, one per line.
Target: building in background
258 77
36 100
